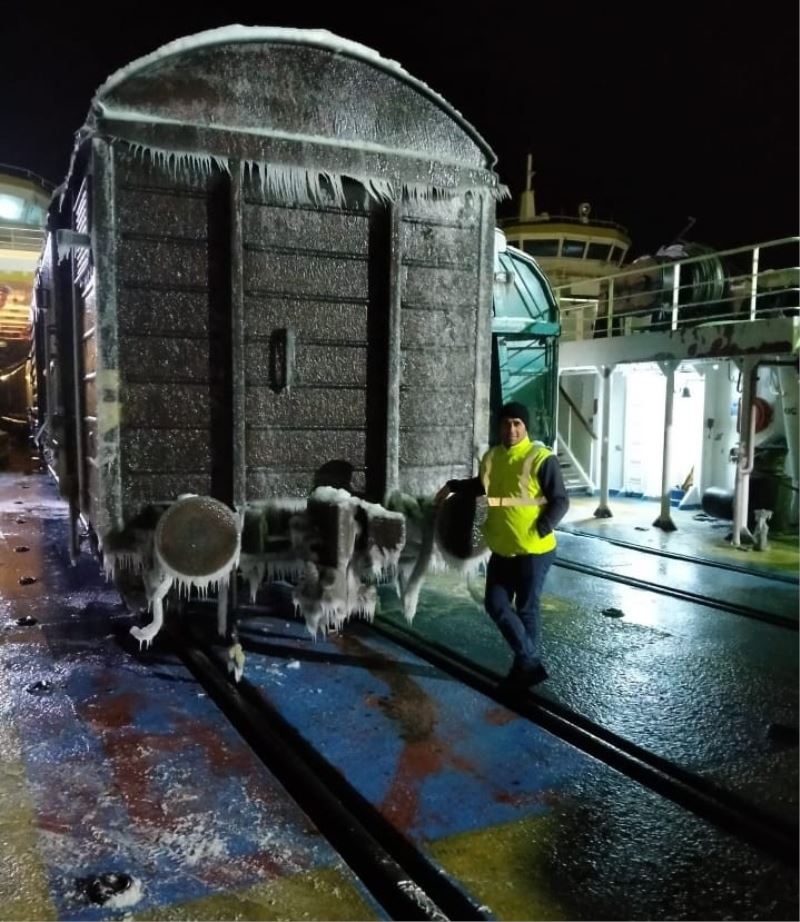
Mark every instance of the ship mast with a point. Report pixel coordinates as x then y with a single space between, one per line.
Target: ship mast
527 202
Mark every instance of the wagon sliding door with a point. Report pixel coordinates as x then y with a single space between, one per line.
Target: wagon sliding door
315 309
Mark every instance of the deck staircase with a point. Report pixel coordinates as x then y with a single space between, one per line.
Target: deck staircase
573 429
574 482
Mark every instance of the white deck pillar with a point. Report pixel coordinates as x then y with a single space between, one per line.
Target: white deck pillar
603 511
664 520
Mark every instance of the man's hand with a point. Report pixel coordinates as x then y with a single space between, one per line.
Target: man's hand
442 495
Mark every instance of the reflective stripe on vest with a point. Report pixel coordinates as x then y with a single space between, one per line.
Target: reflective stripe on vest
516 501
524 482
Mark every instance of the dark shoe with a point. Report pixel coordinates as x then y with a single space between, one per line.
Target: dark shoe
535 674
522 677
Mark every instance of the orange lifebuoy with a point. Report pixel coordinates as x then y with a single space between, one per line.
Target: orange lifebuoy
763 413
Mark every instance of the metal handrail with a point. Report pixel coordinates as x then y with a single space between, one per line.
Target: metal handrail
543 219
21 237
637 270
577 412
23 173
736 295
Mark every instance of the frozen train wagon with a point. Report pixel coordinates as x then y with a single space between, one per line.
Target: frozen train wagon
263 317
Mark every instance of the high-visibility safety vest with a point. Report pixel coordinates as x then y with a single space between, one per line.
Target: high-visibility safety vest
515 499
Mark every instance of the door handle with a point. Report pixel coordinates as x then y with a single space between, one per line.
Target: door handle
281 359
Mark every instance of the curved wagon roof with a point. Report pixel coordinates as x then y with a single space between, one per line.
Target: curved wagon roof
298 98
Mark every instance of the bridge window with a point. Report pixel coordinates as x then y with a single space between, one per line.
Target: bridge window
17 210
598 251
11 207
540 247
617 254
573 248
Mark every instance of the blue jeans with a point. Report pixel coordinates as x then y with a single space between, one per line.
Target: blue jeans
518 580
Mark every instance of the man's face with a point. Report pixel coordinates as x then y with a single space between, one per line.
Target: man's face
512 430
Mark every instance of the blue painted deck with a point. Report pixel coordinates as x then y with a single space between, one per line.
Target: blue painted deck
516 815
121 764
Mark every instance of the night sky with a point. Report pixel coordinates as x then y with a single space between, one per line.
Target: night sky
681 110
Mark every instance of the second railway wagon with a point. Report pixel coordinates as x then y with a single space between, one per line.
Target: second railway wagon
263 324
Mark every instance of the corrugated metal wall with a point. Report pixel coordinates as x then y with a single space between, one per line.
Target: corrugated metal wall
327 276
440 275
164 308
311 272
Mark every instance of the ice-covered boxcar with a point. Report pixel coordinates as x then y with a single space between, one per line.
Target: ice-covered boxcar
263 326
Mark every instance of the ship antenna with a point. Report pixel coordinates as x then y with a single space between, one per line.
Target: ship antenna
681 238
527 202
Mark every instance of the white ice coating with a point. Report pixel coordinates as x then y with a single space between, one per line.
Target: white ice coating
128 897
131 560
421 898
289 183
423 554
328 596
319 38
236 661
325 596
297 184
252 568
67 249
178 162
157 585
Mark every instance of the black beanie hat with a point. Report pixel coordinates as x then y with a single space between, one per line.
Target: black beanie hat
514 410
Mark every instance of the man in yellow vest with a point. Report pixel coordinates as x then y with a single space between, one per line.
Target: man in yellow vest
527 499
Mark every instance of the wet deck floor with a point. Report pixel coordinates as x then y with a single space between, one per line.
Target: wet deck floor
697 534
122 764
116 763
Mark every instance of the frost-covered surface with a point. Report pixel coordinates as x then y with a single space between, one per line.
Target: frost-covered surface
334 562
320 38
423 553
300 183
365 550
128 771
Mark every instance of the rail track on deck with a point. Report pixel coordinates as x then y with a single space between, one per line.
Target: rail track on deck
687 789
695 598
401 876
687 558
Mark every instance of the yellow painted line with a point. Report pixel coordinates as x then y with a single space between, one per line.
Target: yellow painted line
507 868
555 605
325 893
24 889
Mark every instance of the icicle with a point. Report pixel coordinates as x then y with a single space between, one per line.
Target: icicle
115 561
252 567
157 585
178 164
222 608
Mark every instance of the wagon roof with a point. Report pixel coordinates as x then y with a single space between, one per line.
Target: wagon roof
320 38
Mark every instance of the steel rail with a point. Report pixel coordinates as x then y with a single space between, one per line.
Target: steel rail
705 799
695 598
672 555
403 880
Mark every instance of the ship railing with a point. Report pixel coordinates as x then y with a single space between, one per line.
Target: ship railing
740 285
549 219
18 237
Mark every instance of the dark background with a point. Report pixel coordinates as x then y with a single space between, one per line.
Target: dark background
651 115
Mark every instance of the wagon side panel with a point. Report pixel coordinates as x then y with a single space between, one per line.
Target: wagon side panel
314 292
172 315
443 320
